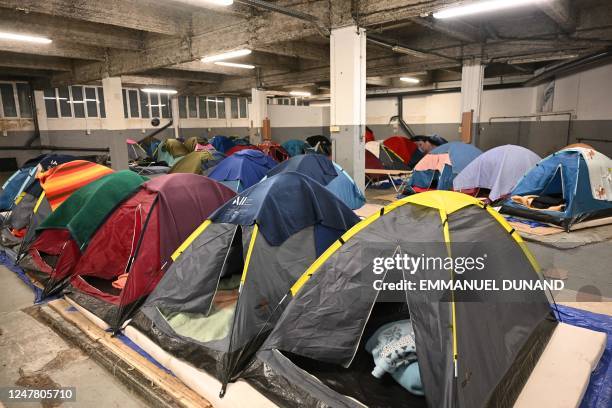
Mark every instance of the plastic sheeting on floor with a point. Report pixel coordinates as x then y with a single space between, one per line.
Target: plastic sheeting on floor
599 392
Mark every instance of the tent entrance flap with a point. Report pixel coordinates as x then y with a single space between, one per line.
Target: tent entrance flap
357 379
555 186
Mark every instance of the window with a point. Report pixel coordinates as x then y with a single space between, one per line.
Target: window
234 108
144 105
101 102
51 103
63 95
75 102
125 103
154 98
9 107
133 103
166 106
182 101
211 102
243 103
78 103
91 101
221 107
192 105
203 110
24 97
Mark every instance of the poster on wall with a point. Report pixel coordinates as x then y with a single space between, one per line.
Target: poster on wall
547 97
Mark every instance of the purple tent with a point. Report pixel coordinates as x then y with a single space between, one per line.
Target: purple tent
498 170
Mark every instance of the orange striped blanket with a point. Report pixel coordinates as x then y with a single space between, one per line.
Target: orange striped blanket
61 181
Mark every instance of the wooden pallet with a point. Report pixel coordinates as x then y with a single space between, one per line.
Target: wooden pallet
183 395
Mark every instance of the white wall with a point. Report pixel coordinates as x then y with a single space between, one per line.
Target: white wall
283 116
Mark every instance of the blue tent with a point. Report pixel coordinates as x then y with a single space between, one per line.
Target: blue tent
26 176
222 143
242 169
296 147
437 169
573 178
283 205
326 172
18 182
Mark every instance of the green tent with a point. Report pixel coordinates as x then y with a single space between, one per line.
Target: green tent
88 207
192 163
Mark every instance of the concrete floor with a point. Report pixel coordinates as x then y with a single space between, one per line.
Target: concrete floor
32 354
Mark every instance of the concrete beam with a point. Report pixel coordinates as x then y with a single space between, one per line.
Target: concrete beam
561 12
308 51
68 30
455 29
189 76
24 61
380 12
55 49
252 33
145 15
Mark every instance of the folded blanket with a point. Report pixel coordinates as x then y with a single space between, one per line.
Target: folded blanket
535 202
394 351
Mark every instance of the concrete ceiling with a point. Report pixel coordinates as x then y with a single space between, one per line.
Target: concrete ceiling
161 42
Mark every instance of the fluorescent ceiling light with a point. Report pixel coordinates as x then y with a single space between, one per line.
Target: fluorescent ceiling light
159 90
300 93
220 2
26 38
235 65
226 55
410 80
482 7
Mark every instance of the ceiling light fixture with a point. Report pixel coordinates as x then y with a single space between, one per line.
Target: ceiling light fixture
482 7
300 93
159 90
226 55
220 2
410 80
235 65
24 38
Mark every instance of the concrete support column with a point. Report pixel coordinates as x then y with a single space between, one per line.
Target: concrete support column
472 77
257 114
115 123
41 117
174 114
348 99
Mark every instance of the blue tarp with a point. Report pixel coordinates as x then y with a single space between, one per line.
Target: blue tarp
285 204
599 391
247 166
18 182
222 143
326 172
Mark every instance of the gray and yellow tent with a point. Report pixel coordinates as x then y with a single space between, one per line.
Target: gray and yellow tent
195 162
473 347
214 306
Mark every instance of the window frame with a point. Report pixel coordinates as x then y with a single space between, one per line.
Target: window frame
16 102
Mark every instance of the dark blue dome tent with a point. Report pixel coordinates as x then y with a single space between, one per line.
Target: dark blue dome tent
215 305
242 169
327 173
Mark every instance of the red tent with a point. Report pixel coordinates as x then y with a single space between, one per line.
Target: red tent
274 150
129 253
369 135
238 148
405 148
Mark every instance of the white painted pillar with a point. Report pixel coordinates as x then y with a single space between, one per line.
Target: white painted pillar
472 77
41 117
176 117
257 114
348 99
115 123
